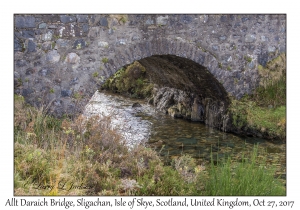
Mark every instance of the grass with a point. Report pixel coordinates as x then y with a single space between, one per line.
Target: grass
88 157
264 119
265 109
230 178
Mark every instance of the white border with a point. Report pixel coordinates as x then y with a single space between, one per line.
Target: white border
152 6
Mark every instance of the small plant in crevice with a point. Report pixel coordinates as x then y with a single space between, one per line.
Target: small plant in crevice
104 60
53 45
77 95
95 74
248 59
220 65
78 46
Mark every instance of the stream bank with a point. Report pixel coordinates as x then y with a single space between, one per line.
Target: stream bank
251 116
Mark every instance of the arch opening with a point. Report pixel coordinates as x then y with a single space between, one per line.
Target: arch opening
186 89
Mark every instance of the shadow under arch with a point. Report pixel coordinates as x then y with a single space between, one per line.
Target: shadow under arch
204 96
184 74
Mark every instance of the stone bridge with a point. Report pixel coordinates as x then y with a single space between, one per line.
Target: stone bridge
60 60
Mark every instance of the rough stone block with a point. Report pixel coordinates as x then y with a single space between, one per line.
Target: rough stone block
62 43
28 34
53 56
82 18
24 22
30 46
79 44
67 19
47 36
250 38
43 25
162 20
72 58
103 22
102 44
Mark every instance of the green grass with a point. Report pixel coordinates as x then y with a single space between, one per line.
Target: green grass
248 177
273 94
265 109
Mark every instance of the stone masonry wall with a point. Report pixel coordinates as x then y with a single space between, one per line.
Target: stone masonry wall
61 59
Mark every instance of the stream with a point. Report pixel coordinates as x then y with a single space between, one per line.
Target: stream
173 137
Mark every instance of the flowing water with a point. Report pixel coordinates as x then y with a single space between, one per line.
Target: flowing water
174 137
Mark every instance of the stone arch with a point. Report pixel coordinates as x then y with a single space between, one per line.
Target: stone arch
183 66
161 46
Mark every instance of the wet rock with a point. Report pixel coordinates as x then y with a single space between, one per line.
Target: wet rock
136 105
197 113
174 112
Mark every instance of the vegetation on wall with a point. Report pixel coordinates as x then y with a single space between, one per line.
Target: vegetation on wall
131 81
265 109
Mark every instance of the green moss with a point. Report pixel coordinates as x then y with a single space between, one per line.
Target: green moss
247 114
123 19
130 81
265 108
274 71
53 45
104 60
248 59
95 74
